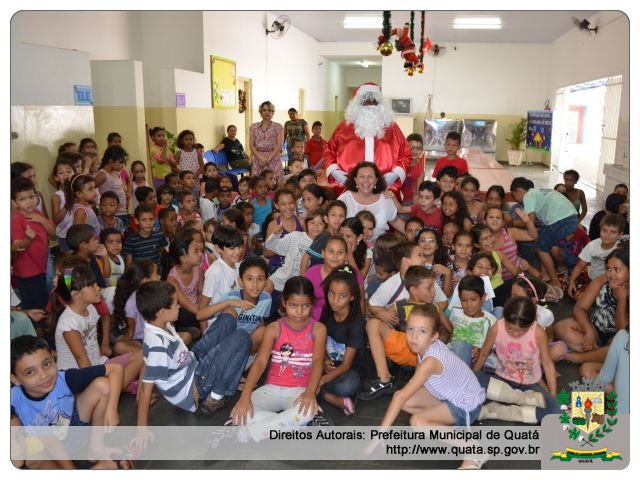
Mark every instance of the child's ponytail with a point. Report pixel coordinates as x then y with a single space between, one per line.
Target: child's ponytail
114 152
74 185
535 288
129 283
74 275
154 130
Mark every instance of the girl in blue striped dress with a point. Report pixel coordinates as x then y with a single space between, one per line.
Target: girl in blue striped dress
443 390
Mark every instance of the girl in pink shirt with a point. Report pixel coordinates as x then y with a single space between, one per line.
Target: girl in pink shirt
295 344
523 353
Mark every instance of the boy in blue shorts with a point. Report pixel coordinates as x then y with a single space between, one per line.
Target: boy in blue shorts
558 215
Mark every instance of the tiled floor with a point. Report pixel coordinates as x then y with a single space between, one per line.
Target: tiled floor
368 413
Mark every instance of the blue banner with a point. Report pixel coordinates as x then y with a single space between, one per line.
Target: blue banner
539 123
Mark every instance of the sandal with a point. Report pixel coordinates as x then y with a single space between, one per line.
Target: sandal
476 463
243 380
565 349
554 294
154 399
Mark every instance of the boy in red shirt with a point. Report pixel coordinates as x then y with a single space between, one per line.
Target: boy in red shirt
30 231
315 146
451 159
415 173
424 206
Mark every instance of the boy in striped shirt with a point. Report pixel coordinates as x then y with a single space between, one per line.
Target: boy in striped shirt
146 242
187 379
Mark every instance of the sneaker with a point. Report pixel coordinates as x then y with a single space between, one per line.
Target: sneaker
378 388
321 420
209 406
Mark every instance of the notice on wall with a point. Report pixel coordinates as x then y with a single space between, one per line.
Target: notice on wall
83 95
539 123
181 100
223 83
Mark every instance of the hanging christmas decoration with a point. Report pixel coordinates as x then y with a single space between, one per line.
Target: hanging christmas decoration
413 17
425 45
406 47
421 56
384 46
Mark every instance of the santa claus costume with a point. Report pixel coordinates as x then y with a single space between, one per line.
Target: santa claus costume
368 133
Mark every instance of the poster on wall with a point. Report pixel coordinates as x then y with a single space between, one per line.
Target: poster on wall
83 95
539 124
223 82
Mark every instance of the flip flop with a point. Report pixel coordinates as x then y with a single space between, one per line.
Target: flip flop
554 294
348 409
477 463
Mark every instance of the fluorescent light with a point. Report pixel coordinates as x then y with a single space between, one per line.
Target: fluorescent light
362 22
364 64
479 23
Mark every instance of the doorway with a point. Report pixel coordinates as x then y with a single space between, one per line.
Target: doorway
301 111
585 128
248 113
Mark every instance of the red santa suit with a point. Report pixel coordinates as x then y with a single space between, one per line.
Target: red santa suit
391 152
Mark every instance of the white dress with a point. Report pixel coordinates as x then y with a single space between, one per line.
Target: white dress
384 210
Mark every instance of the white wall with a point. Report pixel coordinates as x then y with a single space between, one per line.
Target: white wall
336 85
278 68
492 79
117 83
33 81
355 76
105 35
577 57
195 86
169 40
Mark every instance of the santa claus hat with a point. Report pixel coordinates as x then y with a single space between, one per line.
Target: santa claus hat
367 87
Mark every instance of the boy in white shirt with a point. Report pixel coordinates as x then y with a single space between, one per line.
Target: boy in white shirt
222 276
470 323
209 202
595 253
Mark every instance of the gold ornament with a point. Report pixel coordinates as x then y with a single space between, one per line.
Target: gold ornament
386 49
410 71
421 69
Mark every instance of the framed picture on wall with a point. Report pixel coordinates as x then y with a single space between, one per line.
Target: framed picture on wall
223 83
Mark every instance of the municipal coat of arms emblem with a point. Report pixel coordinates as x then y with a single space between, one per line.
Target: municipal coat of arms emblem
588 415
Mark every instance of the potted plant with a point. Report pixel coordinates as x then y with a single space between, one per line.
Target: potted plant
518 135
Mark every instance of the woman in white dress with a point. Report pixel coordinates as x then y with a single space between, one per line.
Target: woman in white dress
365 188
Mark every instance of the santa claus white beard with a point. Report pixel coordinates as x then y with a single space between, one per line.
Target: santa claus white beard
368 120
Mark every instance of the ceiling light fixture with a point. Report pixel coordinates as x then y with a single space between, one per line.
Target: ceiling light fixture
362 22
363 63
478 23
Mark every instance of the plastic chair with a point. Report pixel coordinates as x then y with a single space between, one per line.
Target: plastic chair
220 159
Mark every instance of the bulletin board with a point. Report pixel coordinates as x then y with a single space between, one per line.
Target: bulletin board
223 83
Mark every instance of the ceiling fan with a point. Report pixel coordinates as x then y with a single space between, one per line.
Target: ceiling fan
437 50
279 27
584 25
